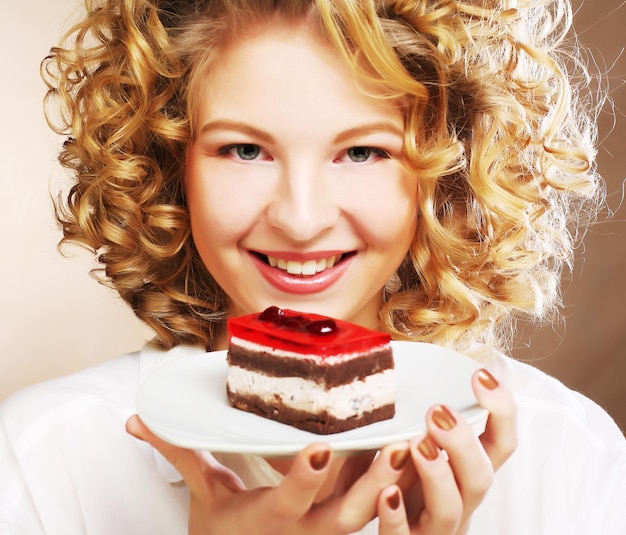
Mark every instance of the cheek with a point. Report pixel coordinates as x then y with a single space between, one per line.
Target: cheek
219 212
388 212
211 221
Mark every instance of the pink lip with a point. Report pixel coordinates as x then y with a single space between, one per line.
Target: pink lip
296 284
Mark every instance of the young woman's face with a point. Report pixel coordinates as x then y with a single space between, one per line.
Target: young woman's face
294 184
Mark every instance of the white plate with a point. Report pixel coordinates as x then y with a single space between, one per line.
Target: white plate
184 402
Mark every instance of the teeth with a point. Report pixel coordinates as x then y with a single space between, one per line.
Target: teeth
309 267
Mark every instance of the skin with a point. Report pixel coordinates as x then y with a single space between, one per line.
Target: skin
282 150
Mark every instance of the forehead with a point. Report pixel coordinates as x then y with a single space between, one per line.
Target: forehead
270 41
280 70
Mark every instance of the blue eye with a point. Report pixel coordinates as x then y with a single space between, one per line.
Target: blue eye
361 154
244 152
247 151
241 151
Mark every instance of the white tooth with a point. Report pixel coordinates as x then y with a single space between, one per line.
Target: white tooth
309 267
294 268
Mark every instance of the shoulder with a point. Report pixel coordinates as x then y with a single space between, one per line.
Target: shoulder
39 411
46 430
65 457
112 383
544 399
109 388
570 465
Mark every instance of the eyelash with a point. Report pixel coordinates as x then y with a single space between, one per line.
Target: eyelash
227 150
380 153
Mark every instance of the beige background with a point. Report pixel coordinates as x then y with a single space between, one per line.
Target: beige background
54 319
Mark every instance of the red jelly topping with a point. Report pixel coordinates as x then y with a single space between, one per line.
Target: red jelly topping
305 333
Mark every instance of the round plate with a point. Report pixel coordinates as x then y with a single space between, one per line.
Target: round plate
184 402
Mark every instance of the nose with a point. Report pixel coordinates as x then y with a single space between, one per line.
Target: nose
303 207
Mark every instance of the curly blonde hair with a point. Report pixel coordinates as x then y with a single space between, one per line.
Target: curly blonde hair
496 133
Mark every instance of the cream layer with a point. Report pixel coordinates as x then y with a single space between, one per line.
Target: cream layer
342 402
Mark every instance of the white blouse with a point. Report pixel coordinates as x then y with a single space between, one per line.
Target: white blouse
67 465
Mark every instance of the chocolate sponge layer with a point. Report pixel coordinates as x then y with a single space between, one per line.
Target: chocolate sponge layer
321 423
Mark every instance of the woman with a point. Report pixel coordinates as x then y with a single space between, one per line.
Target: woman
427 156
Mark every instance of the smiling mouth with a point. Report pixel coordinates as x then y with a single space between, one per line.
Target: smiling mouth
306 268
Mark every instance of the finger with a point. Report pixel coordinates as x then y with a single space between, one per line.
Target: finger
295 495
192 465
500 437
356 465
391 513
352 468
471 467
443 505
359 505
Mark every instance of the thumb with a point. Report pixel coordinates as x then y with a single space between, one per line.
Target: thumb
198 470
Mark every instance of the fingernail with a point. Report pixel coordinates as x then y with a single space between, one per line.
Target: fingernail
428 448
399 458
393 500
319 460
487 380
443 418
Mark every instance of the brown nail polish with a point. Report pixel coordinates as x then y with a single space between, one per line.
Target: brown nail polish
487 380
393 500
443 418
319 460
428 448
399 458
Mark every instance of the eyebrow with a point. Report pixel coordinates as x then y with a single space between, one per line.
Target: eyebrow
342 137
236 126
369 128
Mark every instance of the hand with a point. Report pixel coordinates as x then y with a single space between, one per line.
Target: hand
451 487
219 503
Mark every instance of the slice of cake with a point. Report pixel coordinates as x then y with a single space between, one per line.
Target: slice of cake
310 371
